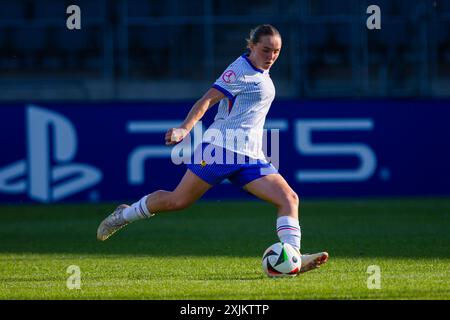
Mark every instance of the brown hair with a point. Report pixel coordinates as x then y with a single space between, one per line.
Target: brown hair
260 31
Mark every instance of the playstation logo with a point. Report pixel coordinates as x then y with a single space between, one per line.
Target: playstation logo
47 174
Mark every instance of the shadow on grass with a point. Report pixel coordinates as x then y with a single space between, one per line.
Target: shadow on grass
411 228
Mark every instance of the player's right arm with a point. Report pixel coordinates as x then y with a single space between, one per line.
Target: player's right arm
210 98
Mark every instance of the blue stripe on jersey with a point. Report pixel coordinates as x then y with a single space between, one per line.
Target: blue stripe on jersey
224 91
251 64
230 104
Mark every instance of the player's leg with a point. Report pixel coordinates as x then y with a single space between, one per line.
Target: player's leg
188 191
273 188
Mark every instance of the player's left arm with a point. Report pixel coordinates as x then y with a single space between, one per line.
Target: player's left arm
210 98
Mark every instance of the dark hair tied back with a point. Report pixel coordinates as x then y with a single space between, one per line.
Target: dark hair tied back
260 31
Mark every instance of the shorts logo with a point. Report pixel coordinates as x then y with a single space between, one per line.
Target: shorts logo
47 174
229 76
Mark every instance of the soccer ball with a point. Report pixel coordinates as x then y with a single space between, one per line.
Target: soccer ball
281 260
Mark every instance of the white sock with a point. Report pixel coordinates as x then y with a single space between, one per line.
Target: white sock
137 211
288 230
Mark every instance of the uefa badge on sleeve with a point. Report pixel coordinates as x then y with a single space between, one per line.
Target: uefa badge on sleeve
229 76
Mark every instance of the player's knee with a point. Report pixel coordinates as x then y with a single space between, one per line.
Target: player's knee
297 199
179 203
290 200
182 204
167 200
294 200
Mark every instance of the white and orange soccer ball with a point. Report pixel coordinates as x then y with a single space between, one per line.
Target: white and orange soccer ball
281 260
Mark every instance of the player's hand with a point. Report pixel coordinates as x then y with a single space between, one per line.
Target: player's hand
175 135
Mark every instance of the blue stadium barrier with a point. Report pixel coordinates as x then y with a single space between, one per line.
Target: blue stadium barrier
115 151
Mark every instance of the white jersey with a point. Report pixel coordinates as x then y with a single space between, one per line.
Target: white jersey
241 115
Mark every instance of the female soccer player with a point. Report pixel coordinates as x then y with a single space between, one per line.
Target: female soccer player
245 92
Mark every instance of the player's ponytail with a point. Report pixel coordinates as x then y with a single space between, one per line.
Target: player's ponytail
260 31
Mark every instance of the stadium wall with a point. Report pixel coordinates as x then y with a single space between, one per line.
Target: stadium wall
91 152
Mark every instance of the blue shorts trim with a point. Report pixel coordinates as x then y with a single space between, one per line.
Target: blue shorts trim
237 174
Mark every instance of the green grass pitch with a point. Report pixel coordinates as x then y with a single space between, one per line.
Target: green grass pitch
213 251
